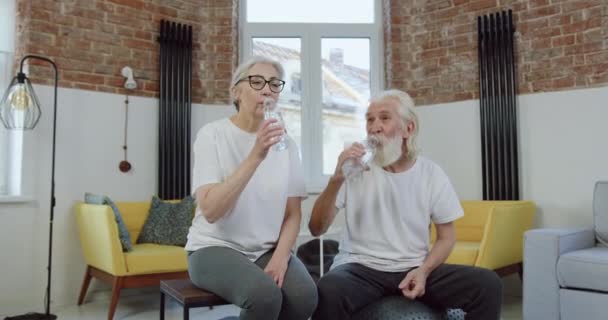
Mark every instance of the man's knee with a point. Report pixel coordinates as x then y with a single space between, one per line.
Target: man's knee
489 281
329 286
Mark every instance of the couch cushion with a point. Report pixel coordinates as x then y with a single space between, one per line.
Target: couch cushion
134 215
600 211
168 222
154 258
582 305
471 226
584 269
464 252
123 232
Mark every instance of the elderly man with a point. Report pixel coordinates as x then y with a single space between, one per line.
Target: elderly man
386 247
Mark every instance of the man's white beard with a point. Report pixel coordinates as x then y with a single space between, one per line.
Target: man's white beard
389 151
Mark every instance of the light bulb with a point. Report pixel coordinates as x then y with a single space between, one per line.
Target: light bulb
19 97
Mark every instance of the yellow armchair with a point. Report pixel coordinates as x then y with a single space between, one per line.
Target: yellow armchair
490 235
145 265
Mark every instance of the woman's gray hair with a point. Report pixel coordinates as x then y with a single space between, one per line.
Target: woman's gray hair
407 112
242 71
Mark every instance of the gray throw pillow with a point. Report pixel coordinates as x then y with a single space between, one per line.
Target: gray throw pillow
168 223
600 211
123 232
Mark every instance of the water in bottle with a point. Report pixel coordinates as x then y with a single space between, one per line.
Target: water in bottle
271 111
351 166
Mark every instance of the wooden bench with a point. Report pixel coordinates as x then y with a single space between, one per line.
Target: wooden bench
188 295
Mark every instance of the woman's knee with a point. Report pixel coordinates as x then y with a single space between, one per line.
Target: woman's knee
304 298
265 296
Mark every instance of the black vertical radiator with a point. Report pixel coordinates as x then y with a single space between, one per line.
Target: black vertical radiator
175 110
497 97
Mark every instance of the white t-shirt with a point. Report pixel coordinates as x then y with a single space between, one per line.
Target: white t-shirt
388 215
253 225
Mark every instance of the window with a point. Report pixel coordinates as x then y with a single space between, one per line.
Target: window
4 81
10 141
332 61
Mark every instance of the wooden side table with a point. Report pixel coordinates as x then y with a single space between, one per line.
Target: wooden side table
188 295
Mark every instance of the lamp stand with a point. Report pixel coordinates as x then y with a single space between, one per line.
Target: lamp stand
47 315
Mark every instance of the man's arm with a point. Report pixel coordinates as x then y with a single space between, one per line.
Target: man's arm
414 283
324 211
446 237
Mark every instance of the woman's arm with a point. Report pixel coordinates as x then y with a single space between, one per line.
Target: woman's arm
277 266
290 227
218 198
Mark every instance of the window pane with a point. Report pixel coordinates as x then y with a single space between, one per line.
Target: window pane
287 51
346 92
311 11
5 68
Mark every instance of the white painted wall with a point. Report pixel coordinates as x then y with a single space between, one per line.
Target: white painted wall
89 148
563 138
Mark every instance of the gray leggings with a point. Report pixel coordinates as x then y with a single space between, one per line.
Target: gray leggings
230 275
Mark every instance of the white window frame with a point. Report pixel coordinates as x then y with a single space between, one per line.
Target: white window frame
11 141
311 35
4 146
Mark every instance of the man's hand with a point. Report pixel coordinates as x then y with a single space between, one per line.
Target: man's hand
355 151
276 269
414 284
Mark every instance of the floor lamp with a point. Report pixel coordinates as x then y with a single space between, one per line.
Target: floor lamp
20 110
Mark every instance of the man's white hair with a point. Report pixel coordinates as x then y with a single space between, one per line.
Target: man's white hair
407 112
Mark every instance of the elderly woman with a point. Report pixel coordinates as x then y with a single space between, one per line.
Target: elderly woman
249 205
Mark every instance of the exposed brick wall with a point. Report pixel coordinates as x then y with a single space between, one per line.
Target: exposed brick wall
431 45
92 40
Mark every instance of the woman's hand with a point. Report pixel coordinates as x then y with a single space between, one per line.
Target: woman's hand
355 151
270 132
414 284
276 268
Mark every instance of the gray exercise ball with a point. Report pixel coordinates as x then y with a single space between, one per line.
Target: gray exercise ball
400 308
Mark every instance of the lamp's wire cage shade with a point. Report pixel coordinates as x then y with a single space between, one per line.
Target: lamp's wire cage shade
20 107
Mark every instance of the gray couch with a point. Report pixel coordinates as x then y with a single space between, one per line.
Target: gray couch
566 270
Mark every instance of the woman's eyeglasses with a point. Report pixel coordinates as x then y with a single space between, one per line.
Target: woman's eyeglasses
258 83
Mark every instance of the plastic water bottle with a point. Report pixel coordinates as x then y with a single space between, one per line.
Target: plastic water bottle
272 112
351 166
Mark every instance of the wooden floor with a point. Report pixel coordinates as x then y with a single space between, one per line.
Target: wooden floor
145 307
144 304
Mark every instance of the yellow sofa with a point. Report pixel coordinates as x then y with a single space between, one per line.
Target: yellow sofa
145 265
491 233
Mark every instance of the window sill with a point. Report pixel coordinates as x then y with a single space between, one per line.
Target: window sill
16 199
